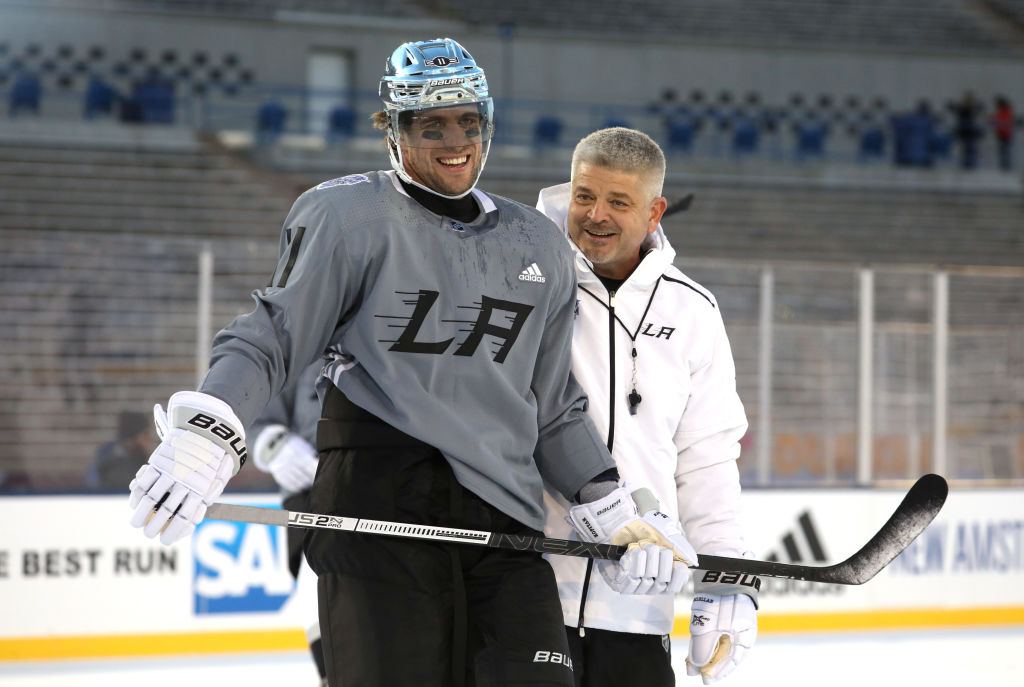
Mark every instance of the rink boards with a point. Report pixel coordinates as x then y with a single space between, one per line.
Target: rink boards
77 581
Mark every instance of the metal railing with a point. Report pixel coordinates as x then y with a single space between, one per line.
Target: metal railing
850 374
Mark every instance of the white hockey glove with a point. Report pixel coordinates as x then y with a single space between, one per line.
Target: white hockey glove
723 623
286 456
658 557
202 446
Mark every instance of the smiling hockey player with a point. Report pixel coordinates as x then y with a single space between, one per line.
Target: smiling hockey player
446 395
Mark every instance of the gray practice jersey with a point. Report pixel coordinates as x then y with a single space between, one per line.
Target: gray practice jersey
455 333
297 407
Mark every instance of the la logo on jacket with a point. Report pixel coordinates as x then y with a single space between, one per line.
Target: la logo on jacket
649 330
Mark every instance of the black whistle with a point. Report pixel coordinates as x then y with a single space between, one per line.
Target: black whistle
634 401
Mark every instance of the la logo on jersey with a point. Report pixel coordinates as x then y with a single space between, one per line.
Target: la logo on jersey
532 273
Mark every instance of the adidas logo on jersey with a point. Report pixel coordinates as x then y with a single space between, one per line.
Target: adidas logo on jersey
532 273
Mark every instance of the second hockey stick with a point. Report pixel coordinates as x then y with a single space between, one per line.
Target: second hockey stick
918 508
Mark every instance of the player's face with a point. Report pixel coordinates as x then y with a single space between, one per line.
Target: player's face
610 215
442 147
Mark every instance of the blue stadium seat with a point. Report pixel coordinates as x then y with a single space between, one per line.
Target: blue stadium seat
810 139
270 121
155 97
746 136
25 94
547 131
100 98
872 143
341 124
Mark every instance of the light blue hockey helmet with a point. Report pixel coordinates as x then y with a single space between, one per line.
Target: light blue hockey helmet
424 75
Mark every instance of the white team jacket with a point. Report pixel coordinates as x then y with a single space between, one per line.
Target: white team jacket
683 441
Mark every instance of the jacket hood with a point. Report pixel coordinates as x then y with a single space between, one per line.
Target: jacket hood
553 201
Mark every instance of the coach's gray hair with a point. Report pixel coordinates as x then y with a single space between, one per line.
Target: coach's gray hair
623 150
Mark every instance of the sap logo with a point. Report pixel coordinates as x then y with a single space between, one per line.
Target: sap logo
240 568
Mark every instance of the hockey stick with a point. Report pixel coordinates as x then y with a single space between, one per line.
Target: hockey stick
919 507
680 205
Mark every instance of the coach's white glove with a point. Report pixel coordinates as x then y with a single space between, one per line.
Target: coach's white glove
202 446
723 623
286 456
658 557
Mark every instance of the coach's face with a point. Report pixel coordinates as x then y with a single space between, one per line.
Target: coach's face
442 147
610 214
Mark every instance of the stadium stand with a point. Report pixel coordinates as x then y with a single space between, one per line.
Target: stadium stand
916 26
99 271
88 207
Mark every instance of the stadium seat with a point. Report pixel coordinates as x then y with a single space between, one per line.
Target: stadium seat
270 121
341 124
100 98
872 143
547 131
810 139
680 136
25 94
745 136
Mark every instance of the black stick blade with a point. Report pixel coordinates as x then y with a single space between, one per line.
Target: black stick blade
919 507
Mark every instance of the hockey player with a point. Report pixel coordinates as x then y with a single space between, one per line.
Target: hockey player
444 316
283 439
650 349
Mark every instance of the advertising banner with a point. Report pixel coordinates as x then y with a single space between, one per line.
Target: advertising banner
76 579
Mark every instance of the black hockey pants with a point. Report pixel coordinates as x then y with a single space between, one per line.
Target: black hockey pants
396 612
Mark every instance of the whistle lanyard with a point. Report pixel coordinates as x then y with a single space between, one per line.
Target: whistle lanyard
634 398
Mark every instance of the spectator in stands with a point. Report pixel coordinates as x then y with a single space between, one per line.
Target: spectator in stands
117 461
131 107
14 480
967 130
1003 123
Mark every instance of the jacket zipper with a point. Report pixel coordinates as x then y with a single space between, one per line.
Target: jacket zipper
611 440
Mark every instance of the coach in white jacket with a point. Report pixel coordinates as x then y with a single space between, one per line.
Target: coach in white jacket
650 349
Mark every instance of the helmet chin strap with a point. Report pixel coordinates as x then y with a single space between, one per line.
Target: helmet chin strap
398 164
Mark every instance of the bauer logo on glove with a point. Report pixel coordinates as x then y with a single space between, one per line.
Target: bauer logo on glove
222 431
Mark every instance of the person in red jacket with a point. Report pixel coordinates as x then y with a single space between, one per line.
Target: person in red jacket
1003 124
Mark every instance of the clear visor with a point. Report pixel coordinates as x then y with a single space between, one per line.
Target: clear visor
447 127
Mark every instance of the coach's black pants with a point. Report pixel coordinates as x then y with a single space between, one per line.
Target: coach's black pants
603 658
396 612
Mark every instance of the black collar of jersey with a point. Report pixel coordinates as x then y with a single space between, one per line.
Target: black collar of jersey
464 209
